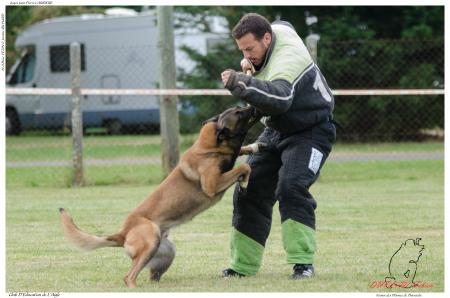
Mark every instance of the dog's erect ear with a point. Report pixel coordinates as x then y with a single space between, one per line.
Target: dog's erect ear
213 119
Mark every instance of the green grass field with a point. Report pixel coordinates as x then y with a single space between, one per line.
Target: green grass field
59 147
365 211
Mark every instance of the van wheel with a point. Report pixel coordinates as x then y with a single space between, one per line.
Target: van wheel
12 122
114 127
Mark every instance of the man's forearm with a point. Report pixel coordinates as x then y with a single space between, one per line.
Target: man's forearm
270 97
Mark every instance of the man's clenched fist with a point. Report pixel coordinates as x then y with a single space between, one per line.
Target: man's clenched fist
247 67
225 76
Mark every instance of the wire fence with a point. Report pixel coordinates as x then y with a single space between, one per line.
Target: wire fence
386 64
383 64
384 91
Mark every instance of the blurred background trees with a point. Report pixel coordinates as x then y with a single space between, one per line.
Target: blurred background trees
360 47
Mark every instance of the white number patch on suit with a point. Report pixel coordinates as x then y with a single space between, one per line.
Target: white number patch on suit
315 160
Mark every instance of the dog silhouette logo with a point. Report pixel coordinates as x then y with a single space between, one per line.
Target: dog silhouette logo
403 264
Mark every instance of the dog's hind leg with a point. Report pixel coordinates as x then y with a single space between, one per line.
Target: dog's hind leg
162 260
141 244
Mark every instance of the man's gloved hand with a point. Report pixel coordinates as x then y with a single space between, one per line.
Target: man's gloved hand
234 81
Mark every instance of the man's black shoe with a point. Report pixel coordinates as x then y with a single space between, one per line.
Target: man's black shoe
231 273
303 271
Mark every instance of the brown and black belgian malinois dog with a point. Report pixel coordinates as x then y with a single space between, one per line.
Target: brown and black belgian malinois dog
200 179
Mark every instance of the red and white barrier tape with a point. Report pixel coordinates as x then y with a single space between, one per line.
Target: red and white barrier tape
354 92
146 92
211 92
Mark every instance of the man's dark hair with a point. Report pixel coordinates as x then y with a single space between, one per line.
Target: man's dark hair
252 23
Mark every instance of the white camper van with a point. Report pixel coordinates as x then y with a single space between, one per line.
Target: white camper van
117 51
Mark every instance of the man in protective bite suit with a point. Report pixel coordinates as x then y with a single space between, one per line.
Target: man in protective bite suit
288 88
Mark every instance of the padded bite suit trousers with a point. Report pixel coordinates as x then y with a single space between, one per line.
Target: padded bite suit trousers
283 173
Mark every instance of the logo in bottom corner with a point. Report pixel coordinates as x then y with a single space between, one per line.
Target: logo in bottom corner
403 264
403 267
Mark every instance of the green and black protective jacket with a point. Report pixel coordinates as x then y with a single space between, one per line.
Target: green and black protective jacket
288 88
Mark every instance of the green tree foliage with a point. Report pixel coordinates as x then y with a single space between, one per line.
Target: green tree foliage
206 75
16 18
363 47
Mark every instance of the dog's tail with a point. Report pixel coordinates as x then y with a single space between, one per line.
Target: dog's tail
84 240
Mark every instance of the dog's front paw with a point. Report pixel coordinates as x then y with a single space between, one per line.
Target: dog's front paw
244 178
254 148
243 184
242 191
246 150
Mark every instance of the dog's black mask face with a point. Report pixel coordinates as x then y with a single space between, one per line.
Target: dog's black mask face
234 123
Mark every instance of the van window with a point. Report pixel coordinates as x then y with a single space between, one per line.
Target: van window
25 70
60 58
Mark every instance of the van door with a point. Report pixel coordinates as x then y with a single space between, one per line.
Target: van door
23 75
110 81
101 109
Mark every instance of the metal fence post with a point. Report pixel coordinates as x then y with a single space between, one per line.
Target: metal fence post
77 121
169 122
311 44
